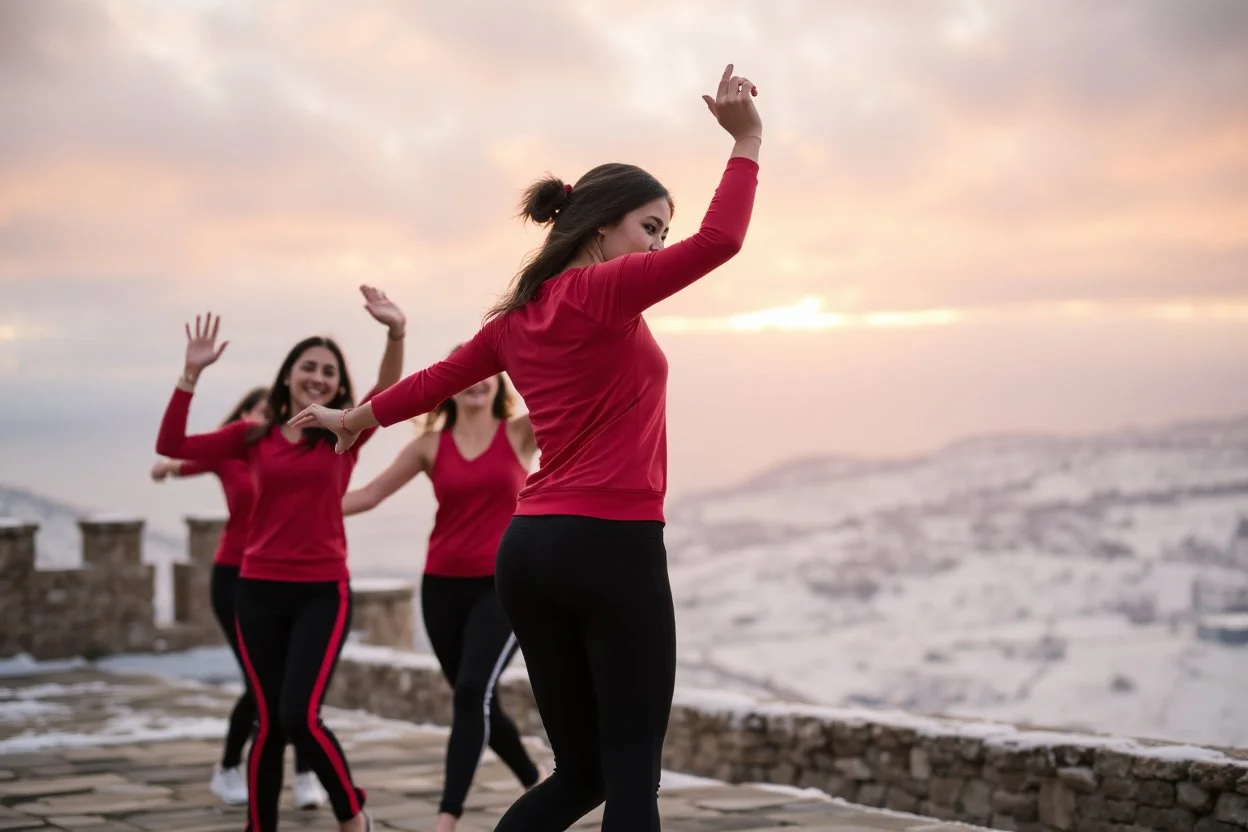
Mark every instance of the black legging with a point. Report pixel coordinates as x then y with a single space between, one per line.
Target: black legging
224 587
291 635
591 605
473 643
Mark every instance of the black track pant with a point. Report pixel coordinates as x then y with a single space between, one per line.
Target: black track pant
473 643
224 587
290 637
590 602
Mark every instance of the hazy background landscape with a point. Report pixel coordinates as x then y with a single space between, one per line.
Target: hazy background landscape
1044 580
959 430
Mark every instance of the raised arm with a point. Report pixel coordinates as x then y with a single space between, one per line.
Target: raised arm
388 313
180 468
520 432
419 393
623 288
227 443
411 461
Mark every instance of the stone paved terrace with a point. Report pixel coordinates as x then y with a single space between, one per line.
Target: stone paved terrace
89 751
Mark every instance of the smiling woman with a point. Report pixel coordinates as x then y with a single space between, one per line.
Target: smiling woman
293 600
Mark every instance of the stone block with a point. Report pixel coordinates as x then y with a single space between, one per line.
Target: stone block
1233 809
976 799
1078 779
1056 805
111 542
1154 793
1017 806
1193 797
1173 819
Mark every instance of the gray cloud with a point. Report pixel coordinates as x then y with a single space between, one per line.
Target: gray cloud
922 152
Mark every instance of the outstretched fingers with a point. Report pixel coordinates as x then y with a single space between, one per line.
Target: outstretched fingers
724 82
305 419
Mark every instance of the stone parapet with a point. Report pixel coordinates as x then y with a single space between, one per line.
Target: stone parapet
988 774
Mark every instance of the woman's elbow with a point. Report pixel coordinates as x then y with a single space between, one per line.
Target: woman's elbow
727 244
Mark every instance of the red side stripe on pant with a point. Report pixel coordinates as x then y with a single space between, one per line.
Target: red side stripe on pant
262 732
322 679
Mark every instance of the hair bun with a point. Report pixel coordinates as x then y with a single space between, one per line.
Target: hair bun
544 200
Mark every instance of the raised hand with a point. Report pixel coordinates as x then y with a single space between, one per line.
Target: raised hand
201 347
161 469
733 106
384 310
319 416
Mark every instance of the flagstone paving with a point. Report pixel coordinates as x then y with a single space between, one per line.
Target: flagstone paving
88 751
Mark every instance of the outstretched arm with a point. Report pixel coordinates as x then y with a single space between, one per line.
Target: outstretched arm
412 460
179 468
419 393
388 313
172 441
623 288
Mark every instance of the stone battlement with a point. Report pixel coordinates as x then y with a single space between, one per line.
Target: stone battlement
107 605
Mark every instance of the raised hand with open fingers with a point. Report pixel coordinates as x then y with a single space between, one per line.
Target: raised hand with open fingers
384 310
733 106
201 346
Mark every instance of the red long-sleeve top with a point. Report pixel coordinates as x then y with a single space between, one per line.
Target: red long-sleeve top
589 369
240 499
296 531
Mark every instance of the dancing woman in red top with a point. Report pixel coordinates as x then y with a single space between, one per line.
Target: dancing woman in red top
477 458
294 597
582 569
228 782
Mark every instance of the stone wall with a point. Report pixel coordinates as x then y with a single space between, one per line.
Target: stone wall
383 613
192 582
106 605
982 773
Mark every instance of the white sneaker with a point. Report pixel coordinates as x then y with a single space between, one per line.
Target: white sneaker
308 791
229 785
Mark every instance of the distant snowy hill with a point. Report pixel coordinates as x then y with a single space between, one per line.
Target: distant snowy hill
1038 579
58 543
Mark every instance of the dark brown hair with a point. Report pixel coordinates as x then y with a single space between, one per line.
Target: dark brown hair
279 394
602 197
447 412
253 398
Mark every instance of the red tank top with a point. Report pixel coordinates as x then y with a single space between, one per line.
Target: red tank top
476 500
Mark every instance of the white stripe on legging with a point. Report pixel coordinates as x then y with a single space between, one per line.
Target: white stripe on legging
489 688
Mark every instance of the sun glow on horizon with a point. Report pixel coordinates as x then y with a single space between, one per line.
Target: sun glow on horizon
808 315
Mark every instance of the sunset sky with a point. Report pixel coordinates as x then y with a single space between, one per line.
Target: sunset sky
972 216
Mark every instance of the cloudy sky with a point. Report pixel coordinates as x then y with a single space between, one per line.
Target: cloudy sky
972 216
